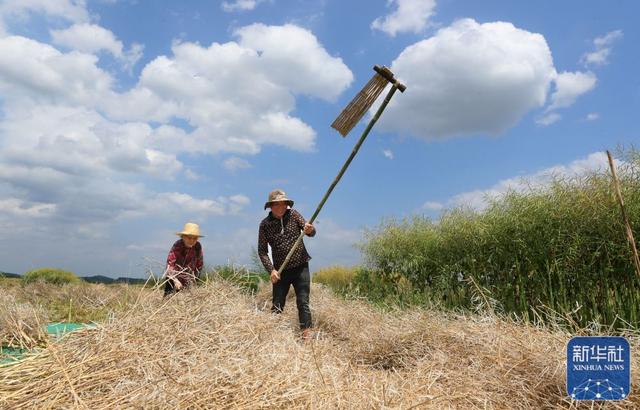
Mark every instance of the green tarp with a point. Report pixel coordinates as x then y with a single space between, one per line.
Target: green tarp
59 329
56 330
10 354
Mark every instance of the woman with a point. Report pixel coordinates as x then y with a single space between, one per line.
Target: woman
185 260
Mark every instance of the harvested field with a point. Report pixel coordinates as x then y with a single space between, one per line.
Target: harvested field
216 347
25 310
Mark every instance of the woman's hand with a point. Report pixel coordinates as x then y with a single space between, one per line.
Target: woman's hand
177 284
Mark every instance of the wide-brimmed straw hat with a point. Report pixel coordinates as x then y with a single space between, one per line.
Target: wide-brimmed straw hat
277 195
190 229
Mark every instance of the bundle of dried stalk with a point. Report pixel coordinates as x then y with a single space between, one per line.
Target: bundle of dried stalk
353 112
215 347
21 324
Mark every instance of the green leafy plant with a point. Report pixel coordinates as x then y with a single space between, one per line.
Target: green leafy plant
560 246
50 275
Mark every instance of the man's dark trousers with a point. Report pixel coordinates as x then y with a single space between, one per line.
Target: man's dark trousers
300 278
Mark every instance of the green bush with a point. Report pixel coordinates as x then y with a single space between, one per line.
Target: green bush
50 275
561 246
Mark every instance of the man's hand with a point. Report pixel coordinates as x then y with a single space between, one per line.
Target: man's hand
274 276
308 229
177 284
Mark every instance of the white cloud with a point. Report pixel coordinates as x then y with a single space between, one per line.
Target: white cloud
410 16
77 154
432 206
162 165
19 10
281 48
548 118
18 208
387 153
570 86
237 203
74 140
237 96
91 38
191 175
469 78
600 56
88 38
479 199
38 71
592 116
234 163
180 202
239 5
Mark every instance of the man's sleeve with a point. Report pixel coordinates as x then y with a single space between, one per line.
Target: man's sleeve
263 250
300 221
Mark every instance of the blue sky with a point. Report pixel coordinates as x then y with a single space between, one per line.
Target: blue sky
121 120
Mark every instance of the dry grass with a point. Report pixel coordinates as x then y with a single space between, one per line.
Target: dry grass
21 323
82 302
215 347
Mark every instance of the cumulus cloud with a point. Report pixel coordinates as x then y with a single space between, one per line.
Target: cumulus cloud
281 47
409 16
469 78
570 86
592 116
77 153
602 45
71 165
239 5
387 153
235 163
479 199
74 140
238 96
91 38
548 118
74 151
18 208
238 203
177 201
20 10
162 165
41 72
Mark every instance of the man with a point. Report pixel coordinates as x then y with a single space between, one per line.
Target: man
280 229
185 260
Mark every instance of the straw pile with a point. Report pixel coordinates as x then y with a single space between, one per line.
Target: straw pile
21 323
215 347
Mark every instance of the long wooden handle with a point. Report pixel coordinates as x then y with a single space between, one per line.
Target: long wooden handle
342 171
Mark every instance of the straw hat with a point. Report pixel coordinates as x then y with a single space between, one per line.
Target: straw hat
277 195
190 229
